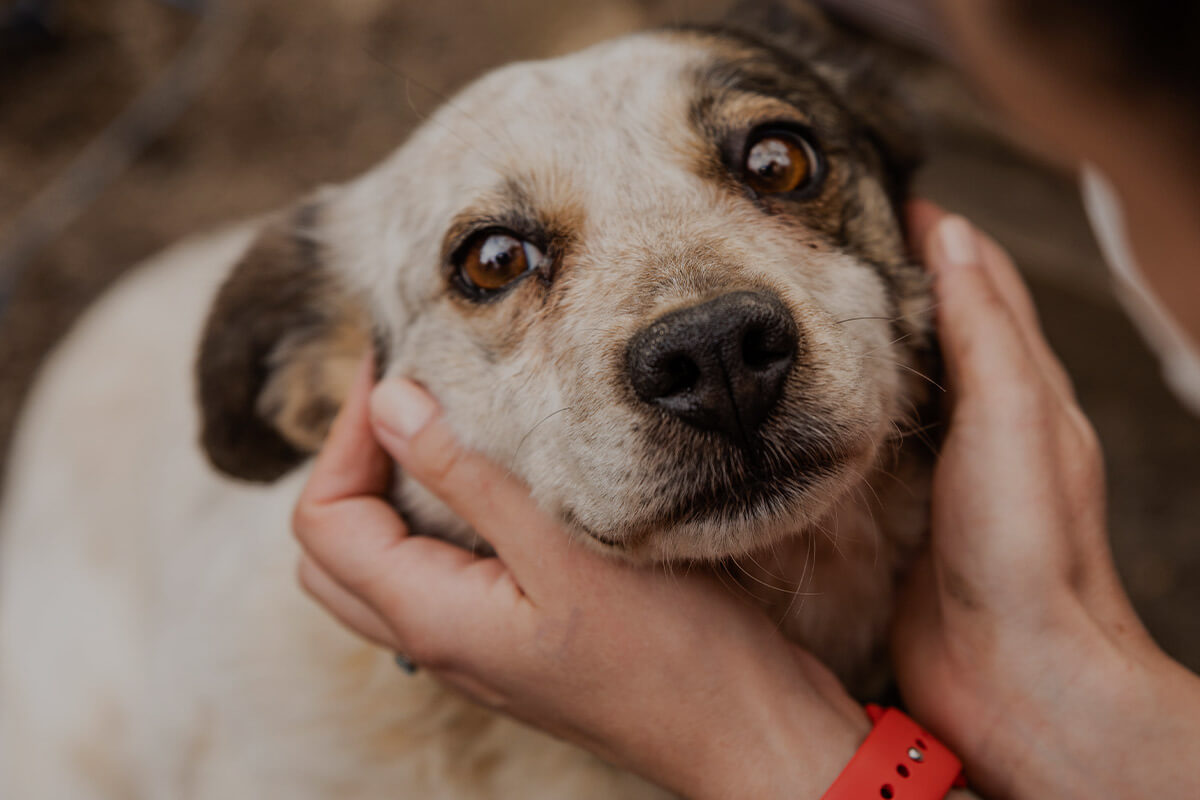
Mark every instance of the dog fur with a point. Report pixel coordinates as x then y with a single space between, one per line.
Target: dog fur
153 640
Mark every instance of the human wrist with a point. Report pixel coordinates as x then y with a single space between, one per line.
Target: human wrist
1057 717
1138 738
793 746
792 766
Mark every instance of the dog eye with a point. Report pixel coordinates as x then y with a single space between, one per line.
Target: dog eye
494 259
779 161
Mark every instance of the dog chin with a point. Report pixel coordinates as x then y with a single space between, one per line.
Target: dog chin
721 525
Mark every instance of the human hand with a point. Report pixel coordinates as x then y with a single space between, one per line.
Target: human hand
1015 641
670 676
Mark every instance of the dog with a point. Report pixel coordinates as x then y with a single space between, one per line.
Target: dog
663 279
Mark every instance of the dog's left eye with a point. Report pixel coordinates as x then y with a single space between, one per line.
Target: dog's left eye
778 161
493 259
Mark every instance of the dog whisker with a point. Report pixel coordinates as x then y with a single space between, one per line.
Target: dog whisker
766 571
920 313
906 368
856 319
897 340
751 576
529 433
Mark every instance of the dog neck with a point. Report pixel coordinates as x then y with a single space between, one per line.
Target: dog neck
831 587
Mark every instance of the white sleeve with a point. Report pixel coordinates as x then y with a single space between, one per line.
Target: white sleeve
1180 362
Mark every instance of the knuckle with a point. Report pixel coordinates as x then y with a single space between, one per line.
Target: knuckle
976 300
1087 441
304 577
441 458
1088 451
990 353
1081 458
1036 407
362 579
1016 403
304 520
424 649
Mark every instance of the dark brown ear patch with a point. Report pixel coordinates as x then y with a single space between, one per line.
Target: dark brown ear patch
278 353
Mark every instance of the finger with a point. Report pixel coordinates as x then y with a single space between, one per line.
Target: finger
1007 280
982 343
347 608
350 538
924 219
360 550
443 605
1004 276
410 425
921 216
413 584
345 491
351 462
948 246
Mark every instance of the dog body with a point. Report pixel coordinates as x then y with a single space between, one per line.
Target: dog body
543 254
155 642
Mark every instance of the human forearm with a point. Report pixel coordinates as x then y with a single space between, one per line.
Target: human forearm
1129 727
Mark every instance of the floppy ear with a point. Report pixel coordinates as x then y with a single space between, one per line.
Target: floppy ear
279 350
854 69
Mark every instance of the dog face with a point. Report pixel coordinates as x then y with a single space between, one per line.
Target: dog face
663 279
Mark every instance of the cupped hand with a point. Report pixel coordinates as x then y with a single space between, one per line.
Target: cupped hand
668 675
1015 641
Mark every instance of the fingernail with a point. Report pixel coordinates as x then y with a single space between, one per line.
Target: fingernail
957 241
402 407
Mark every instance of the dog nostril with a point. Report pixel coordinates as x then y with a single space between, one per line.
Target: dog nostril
720 365
679 373
763 347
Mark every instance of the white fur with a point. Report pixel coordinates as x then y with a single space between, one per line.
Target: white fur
154 640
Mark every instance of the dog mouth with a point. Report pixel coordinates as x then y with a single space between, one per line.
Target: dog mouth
774 487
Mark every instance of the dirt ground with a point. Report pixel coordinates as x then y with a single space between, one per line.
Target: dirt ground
317 91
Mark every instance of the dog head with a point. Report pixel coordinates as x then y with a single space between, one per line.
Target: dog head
663 279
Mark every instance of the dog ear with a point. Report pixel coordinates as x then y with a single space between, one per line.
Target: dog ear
854 68
279 350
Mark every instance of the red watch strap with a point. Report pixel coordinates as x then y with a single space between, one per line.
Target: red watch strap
898 760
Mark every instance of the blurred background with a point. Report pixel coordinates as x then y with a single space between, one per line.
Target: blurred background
128 124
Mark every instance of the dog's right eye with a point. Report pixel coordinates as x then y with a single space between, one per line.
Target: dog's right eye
779 160
493 259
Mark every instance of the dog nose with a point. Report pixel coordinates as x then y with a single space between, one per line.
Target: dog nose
719 366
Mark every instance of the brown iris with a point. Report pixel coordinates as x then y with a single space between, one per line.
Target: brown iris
778 162
497 258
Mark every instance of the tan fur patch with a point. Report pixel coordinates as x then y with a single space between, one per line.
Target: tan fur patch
311 379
